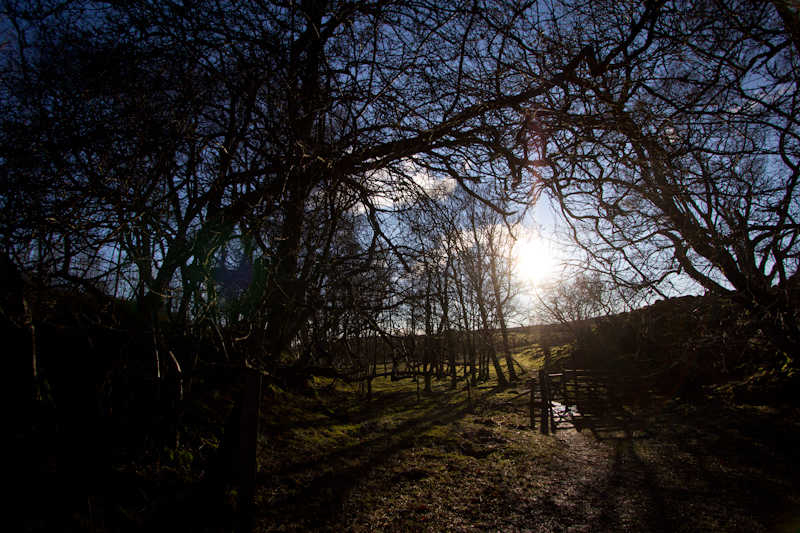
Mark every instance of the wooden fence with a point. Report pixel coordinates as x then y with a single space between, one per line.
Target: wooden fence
588 393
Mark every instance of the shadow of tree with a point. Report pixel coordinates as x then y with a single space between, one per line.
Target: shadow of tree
315 485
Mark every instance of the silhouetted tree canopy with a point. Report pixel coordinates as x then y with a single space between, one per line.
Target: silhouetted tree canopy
156 150
675 149
242 163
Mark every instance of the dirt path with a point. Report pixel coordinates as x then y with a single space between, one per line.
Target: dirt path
444 467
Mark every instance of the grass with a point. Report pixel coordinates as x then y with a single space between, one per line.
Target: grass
333 461
454 459
466 459
400 457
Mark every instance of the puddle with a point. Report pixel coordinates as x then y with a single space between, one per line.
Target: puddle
560 408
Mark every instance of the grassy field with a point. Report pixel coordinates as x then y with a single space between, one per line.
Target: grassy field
468 460
339 462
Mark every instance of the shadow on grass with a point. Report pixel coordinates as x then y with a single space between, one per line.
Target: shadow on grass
698 468
309 488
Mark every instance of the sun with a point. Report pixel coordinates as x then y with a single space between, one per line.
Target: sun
535 260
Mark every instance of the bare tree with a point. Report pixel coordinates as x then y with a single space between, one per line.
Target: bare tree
673 150
153 135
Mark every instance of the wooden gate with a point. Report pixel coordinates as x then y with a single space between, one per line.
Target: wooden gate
567 395
581 396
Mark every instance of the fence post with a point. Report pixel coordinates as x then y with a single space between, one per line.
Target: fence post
544 387
576 387
248 444
533 402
